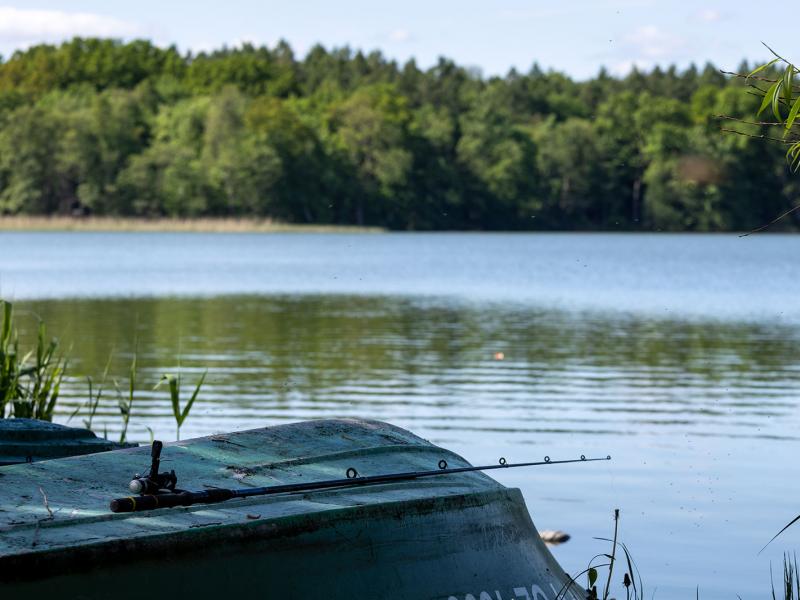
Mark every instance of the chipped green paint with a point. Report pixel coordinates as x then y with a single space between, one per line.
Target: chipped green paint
446 538
31 440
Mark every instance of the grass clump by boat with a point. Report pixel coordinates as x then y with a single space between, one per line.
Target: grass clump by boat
788 588
29 383
631 579
791 579
199 225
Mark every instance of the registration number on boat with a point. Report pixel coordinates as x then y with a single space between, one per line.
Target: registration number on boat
534 592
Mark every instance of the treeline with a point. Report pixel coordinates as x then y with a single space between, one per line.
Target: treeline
101 127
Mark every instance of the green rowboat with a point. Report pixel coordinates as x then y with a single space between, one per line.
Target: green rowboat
455 537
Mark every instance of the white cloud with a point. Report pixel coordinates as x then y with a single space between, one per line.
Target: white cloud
709 15
650 42
646 47
400 35
23 27
532 13
621 69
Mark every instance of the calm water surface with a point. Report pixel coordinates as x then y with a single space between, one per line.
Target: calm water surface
675 354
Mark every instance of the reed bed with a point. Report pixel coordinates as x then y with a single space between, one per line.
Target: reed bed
30 382
200 225
789 589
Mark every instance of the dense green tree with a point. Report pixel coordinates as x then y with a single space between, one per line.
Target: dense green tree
168 178
30 181
570 157
240 166
499 157
369 129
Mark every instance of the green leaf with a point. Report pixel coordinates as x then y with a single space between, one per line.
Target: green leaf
175 396
6 337
768 95
793 114
762 67
776 103
592 576
793 156
788 74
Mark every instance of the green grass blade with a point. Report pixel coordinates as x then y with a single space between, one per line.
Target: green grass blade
189 404
174 396
7 314
785 527
40 345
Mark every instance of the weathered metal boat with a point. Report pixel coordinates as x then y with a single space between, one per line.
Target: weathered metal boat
459 536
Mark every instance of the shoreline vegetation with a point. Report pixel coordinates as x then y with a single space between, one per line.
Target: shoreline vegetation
103 224
98 127
170 225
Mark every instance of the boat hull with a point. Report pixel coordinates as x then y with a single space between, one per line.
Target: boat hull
477 546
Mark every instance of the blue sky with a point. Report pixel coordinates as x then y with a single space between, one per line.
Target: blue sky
575 36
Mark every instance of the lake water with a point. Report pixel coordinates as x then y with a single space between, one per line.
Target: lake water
676 354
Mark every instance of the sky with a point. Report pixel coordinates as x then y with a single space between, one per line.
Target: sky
573 36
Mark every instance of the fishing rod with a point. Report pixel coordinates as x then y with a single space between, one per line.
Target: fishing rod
158 490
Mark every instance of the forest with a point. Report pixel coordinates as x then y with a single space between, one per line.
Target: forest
105 128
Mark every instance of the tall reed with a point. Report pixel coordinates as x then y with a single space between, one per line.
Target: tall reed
174 384
631 579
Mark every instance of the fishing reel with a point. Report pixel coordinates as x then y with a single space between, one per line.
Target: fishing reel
154 482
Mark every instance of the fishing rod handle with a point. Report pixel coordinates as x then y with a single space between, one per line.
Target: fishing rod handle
155 458
154 501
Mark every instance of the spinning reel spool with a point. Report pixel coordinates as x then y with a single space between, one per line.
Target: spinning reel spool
154 482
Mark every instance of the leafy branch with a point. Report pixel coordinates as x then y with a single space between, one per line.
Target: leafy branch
782 99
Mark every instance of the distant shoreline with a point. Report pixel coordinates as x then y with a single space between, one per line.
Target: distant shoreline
32 223
199 225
